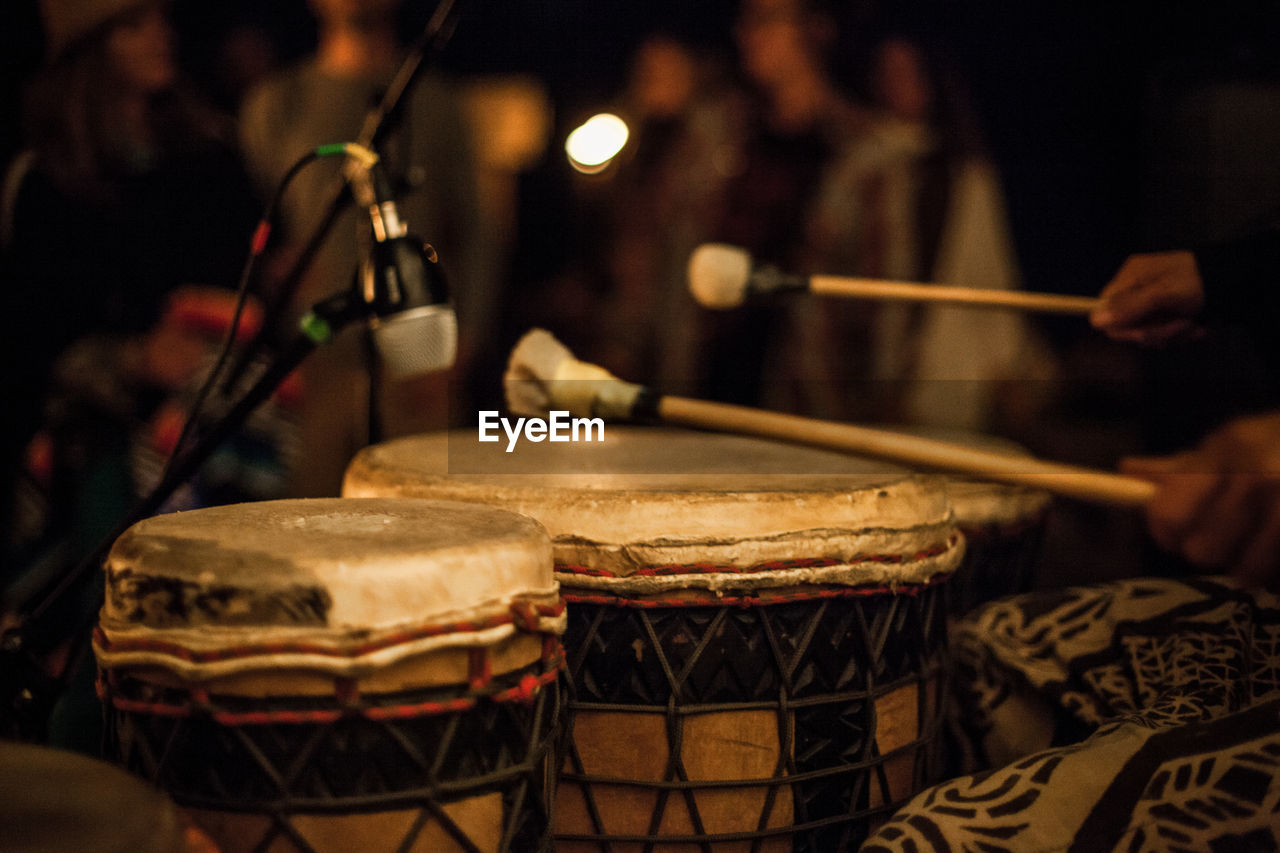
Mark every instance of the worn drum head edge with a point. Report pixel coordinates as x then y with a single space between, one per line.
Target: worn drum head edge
335 585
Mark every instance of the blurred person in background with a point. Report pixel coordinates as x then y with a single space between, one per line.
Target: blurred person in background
736 162
124 219
429 158
673 87
798 124
932 209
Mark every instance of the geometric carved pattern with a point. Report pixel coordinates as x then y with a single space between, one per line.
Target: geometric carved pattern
290 772
847 687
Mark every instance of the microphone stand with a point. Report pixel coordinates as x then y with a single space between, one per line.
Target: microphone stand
375 126
27 691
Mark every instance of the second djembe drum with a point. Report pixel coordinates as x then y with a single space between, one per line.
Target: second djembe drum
339 675
1003 526
756 638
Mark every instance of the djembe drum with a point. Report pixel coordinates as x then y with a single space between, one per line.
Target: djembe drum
1003 526
339 675
756 633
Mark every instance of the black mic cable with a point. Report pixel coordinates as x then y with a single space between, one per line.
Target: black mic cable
257 247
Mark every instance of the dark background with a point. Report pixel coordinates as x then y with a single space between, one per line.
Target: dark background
1086 105
1116 126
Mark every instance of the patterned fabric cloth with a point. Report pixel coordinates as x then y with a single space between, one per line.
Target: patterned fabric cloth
1176 685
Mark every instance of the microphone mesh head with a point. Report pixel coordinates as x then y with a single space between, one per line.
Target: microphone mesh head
423 340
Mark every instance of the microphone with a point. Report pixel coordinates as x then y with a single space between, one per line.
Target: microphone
723 276
415 328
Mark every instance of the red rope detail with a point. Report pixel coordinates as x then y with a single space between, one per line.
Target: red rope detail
710 568
263 718
764 600
525 691
527 688
479 670
768 566
150 707
421 709
584 570
298 647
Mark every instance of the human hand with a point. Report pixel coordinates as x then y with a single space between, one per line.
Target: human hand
1152 299
1218 505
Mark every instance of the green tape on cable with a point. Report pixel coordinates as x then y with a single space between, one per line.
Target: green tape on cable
316 328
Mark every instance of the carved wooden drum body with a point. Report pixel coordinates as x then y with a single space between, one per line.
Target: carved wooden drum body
756 638
334 675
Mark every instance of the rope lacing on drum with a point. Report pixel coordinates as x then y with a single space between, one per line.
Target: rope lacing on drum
909 616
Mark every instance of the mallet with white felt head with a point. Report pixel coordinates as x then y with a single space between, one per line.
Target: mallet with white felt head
543 376
723 276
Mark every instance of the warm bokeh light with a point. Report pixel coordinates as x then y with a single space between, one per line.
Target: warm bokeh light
597 141
511 120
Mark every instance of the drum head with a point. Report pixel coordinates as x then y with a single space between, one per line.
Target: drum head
658 496
335 585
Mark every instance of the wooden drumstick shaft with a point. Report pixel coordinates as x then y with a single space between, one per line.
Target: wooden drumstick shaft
543 375
1021 300
1068 480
